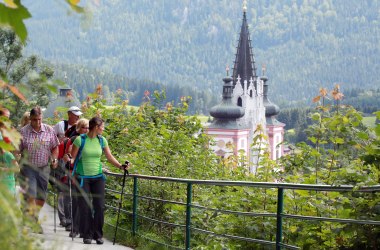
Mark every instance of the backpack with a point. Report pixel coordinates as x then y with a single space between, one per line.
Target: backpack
65 125
61 171
83 141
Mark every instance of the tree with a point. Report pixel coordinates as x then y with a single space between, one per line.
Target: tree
22 77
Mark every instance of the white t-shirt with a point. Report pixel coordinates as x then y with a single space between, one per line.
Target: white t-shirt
59 129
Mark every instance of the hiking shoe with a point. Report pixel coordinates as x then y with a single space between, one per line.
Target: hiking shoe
73 234
99 241
87 241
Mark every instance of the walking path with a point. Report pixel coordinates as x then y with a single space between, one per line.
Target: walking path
60 239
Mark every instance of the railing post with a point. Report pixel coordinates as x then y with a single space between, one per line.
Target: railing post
134 206
188 214
280 209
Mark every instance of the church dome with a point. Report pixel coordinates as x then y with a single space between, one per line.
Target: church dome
226 109
271 109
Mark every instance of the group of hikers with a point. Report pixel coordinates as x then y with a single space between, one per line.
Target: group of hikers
68 155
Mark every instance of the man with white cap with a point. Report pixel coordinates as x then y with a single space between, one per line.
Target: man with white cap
60 129
73 114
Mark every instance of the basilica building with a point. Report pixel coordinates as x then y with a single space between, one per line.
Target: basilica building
245 108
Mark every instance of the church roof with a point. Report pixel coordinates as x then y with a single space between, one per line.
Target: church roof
64 99
244 65
271 109
226 110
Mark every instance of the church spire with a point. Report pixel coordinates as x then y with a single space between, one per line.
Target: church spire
244 65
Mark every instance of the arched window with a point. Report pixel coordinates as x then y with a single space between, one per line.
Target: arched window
250 93
240 102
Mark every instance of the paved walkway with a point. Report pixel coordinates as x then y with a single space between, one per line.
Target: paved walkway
60 239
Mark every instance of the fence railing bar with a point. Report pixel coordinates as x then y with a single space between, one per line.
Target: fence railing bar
115 208
340 188
157 199
289 246
314 218
235 212
117 192
234 237
119 228
280 214
161 222
158 242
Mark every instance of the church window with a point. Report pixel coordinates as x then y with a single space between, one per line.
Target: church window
240 102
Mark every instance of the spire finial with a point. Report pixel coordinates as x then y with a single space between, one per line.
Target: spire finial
244 6
227 69
263 69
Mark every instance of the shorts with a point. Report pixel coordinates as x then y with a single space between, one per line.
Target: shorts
36 181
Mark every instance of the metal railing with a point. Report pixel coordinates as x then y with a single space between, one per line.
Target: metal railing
189 205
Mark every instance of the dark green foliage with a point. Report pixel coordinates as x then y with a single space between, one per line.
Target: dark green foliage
161 142
304 44
23 75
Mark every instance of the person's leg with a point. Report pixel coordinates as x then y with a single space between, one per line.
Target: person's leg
67 205
42 185
61 210
30 184
73 197
79 209
97 191
86 220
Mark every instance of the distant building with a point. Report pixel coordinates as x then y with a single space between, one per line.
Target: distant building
64 99
245 106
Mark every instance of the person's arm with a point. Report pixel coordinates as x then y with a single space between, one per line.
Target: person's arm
58 130
61 150
15 166
111 159
54 155
67 155
12 168
74 153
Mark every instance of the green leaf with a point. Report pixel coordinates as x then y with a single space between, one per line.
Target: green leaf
6 146
14 18
337 140
363 135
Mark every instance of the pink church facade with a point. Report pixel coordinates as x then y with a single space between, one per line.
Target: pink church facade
244 107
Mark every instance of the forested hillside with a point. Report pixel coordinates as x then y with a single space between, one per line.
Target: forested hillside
305 44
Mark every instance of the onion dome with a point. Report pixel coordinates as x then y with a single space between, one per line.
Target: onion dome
270 108
226 109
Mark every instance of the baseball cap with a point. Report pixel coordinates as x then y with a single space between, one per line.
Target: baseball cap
75 110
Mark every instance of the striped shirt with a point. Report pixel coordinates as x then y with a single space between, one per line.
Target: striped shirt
37 146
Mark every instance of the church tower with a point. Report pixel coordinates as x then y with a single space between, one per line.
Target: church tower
242 109
274 128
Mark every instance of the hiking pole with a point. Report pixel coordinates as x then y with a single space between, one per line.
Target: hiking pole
71 205
55 203
121 199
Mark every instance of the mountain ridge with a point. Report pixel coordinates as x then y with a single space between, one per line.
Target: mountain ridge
305 45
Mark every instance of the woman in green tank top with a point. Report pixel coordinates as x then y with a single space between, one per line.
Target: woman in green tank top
89 169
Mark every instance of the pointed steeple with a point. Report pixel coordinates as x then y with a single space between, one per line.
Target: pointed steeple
244 65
